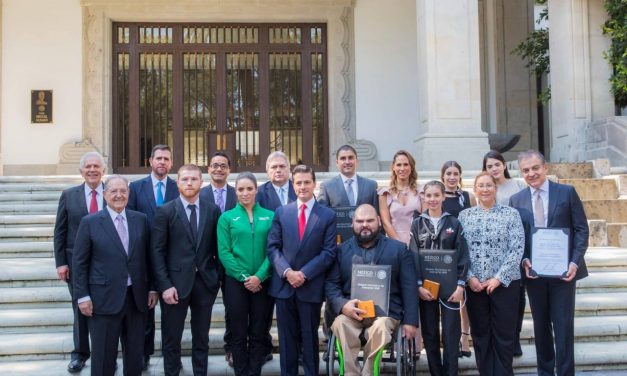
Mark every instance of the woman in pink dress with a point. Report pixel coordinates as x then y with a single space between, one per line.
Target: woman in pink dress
399 201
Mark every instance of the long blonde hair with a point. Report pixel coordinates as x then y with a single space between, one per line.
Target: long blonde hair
413 176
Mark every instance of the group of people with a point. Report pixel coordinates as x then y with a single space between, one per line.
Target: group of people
124 248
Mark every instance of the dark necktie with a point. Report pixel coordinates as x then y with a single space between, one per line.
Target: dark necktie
302 221
193 221
93 204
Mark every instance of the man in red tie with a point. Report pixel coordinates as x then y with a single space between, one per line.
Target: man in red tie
74 204
301 247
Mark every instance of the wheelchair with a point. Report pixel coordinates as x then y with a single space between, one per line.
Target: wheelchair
400 351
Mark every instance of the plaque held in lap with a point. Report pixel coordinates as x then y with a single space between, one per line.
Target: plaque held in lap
372 282
438 265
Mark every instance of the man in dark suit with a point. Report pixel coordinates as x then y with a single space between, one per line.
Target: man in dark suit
368 246
224 196
111 280
552 300
301 247
278 190
146 195
75 203
348 188
186 269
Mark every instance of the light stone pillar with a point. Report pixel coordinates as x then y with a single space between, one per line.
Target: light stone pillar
450 93
580 91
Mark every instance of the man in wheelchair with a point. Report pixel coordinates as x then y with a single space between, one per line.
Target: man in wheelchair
368 246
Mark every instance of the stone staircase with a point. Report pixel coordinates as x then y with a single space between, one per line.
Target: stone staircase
36 319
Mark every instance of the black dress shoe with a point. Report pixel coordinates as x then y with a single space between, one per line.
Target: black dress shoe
146 362
76 365
268 358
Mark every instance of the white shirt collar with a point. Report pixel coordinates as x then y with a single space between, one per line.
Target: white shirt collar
155 180
544 187
309 203
185 202
115 214
98 190
214 188
344 178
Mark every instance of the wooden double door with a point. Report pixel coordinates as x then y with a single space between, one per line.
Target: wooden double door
243 89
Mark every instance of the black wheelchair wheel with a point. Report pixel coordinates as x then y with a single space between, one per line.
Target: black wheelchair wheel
406 356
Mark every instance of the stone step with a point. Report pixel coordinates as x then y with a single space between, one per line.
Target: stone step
34 220
594 189
592 359
25 198
603 282
613 211
30 208
26 234
26 249
583 170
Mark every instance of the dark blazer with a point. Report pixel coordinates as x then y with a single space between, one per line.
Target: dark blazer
312 255
403 293
72 208
268 199
333 193
175 257
565 211
101 265
231 196
142 197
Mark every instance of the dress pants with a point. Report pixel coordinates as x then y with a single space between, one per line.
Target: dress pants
552 303
107 331
80 327
522 302
249 314
227 324
200 302
493 328
149 333
298 323
378 334
430 313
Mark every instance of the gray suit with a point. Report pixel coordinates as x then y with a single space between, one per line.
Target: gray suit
333 193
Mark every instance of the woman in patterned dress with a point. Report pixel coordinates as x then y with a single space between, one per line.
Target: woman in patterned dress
495 237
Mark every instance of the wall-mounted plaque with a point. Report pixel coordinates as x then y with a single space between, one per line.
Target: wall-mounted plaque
40 106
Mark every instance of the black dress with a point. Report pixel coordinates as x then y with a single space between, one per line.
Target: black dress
452 205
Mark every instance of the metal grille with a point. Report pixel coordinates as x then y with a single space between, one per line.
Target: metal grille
286 132
155 102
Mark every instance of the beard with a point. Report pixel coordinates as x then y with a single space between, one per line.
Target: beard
362 239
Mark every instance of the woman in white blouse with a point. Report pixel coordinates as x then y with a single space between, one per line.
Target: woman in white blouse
495 237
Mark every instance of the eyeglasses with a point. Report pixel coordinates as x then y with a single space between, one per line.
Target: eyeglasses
217 166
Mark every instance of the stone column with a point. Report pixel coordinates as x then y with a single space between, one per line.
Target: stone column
580 91
450 93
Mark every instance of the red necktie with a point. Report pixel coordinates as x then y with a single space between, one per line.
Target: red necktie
93 205
302 221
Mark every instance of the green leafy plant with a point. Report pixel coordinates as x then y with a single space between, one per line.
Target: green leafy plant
534 50
616 28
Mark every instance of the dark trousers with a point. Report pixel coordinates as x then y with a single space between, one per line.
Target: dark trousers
430 313
522 302
493 328
228 337
200 302
149 333
80 327
249 315
298 323
552 303
107 331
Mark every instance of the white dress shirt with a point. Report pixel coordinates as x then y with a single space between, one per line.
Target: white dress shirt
98 196
155 181
353 186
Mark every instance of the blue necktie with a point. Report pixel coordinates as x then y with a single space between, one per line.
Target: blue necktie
159 194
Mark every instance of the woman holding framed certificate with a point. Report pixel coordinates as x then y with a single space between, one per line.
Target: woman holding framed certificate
438 236
495 237
242 242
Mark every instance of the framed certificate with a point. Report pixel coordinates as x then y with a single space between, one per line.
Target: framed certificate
344 222
549 252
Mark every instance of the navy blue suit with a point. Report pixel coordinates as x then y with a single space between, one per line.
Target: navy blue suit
231 196
268 198
102 267
552 300
298 309
142 199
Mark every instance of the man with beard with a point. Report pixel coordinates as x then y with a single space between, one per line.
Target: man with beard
368 246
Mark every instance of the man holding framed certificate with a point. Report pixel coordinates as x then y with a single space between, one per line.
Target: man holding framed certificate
556 261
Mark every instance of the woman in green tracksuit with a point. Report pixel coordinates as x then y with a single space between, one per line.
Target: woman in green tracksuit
242 236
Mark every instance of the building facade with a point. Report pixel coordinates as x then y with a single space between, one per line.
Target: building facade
435 77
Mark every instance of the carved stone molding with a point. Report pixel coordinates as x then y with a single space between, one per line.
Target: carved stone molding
98 16
70 155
